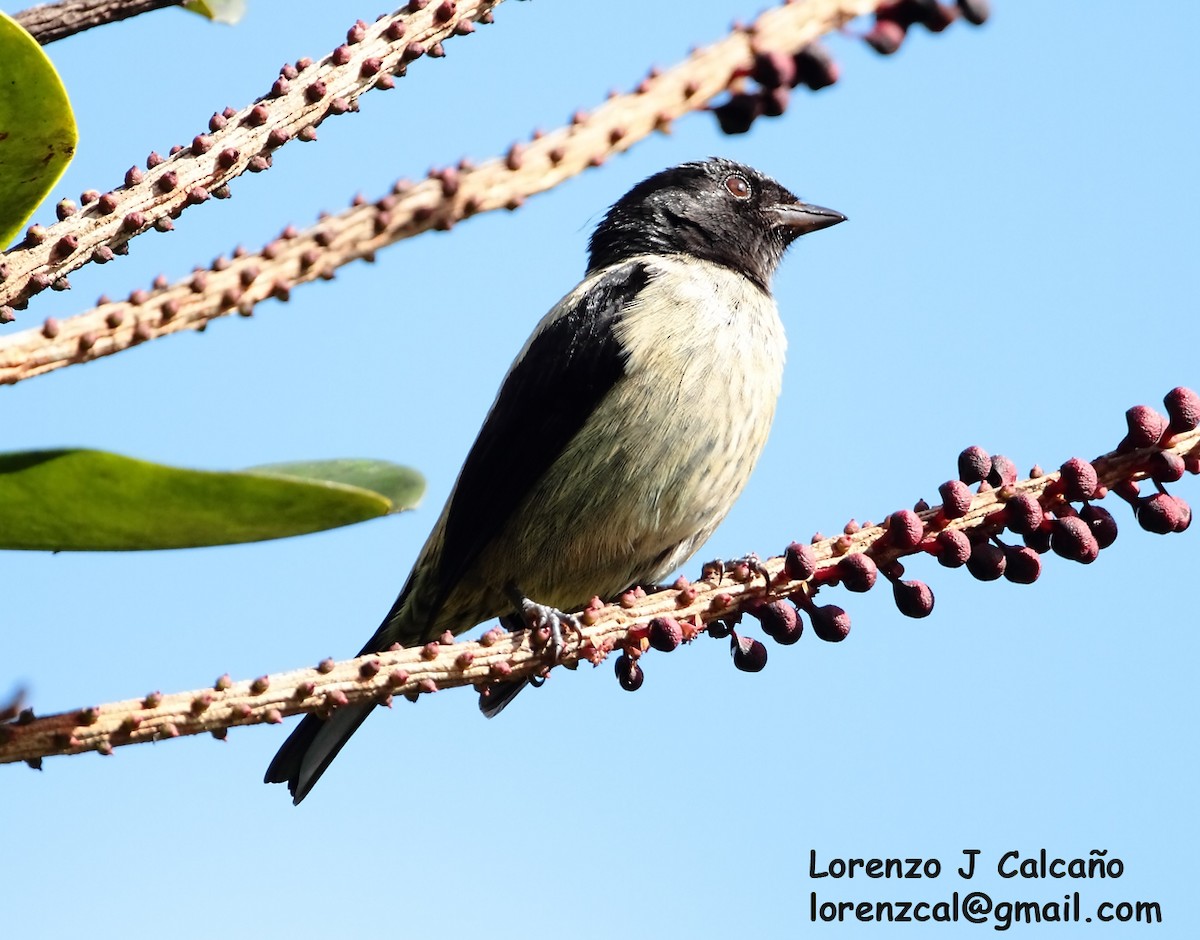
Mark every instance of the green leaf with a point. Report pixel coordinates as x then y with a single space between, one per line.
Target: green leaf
89 500
37 127
219 11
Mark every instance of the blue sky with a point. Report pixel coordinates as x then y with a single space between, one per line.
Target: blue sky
1018 269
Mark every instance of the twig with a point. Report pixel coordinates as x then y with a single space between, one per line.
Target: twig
498 655
302 97
51 21
447 197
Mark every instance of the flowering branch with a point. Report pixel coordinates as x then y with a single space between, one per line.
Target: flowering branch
51 21
300 99
446 197
964 529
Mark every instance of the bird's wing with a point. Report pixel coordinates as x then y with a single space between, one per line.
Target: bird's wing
567 367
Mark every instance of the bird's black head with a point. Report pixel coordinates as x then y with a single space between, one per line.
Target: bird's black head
714 209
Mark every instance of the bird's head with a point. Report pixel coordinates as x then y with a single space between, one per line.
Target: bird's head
714 209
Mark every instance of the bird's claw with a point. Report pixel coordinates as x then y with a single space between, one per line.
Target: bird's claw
751 562
540 616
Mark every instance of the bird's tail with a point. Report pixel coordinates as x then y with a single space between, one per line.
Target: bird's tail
312 747
498 695
315 742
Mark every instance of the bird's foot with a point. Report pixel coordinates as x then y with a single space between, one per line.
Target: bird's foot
740 569
540 617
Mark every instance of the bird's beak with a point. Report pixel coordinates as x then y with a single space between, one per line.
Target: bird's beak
801 218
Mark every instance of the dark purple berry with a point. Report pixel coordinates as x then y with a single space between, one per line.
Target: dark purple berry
778 619
885 36
786 635
815 67
749 655
1039 541
799 561
1023 514
857 572
1183 408
913 598
737 114
905 529
938 16
974 464
953 548
1162 513
1101 523
1078 479
975 12
830 623
1146 426
1185 516
956 499
775 101
1003 471
1021 565
1071 538
665 634
986 562
1166 467
773 69
629 673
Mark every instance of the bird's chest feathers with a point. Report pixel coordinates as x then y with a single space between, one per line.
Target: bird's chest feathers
709 345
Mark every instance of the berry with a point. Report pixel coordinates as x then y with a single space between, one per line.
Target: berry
774 101
1003 471
1071 538
905 529
1078 480
799 561
629 673
815 67
749 655
1101 523
737 114
1039 541
913 598
773 69
974 464
857 572
885 36
1146 426
1023 514
953 548
956 499
1162 513
665 634
1021 565
1183 408
780 621
987 561
830 623
1166 467
975 12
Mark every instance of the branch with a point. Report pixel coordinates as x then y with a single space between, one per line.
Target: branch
51 21
445 198
300 99
679 614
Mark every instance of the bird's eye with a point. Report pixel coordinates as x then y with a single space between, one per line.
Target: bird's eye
738 186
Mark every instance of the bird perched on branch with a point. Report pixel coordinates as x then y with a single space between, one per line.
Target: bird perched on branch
622 434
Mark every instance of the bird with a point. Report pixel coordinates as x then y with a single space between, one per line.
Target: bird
622 434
